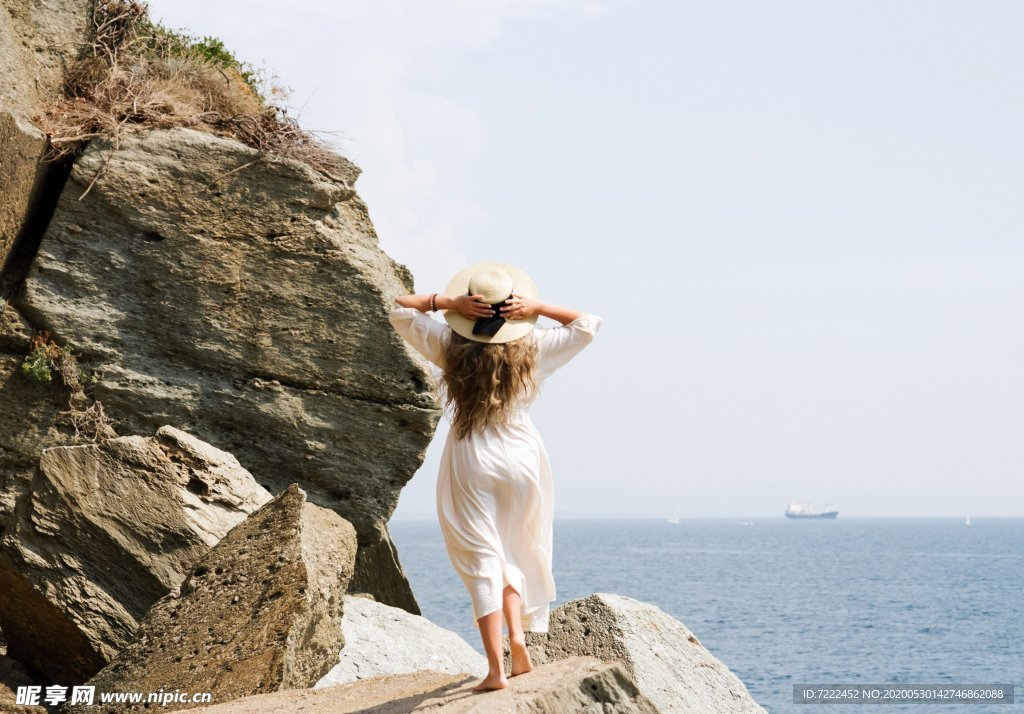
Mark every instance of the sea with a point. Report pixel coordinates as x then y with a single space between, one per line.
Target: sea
853 601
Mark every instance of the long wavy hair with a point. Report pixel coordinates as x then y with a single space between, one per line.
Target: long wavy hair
481 381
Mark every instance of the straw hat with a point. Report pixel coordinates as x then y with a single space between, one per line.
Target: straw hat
496 282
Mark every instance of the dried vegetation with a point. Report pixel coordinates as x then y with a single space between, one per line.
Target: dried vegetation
134 74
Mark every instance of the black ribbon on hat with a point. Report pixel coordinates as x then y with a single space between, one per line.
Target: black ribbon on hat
489 326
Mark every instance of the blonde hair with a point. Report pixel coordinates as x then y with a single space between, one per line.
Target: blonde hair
481 381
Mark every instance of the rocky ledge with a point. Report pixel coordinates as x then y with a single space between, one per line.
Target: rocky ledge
579 685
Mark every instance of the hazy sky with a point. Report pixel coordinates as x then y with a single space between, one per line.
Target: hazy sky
801 221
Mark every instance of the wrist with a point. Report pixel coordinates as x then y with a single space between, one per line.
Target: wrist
444 302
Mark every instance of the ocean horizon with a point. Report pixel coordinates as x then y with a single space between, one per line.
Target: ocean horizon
859 599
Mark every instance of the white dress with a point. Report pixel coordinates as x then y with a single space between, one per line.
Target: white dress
494 489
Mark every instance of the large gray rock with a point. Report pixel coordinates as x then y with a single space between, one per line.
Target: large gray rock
667 662
259 613
105 531
580 685
245 300
380 639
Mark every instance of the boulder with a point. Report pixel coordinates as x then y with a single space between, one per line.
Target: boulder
667 662
243 298
580 685
259 613
105 531
380 639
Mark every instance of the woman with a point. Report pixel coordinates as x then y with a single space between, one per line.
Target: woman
494 487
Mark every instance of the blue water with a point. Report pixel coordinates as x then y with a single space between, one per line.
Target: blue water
855 600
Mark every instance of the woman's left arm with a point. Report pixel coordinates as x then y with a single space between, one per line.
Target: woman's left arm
420 302
471 306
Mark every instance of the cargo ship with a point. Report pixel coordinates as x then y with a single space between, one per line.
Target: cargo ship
806 510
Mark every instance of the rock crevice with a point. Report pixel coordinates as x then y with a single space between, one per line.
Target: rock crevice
41 203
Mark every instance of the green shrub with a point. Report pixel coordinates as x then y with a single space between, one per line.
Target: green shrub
46 357
37 365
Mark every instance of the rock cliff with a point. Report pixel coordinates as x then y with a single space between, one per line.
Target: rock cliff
244 300
208 286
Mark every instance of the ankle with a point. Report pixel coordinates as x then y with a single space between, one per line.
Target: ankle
517 641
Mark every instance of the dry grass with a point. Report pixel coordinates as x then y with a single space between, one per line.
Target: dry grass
133 75
91 423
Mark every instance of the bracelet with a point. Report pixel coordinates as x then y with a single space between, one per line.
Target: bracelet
433 305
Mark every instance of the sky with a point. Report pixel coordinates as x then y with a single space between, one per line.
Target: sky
800 221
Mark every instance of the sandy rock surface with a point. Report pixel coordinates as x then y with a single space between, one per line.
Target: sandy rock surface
581 685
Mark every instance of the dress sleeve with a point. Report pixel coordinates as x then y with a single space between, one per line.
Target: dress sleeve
558 345
420 330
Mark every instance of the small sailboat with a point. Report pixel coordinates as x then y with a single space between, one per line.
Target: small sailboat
672 517
968 521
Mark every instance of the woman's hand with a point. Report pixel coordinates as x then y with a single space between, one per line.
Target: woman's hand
520 307
472 306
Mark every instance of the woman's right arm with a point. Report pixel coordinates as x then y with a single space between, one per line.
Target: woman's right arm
521 307
564 315
557 345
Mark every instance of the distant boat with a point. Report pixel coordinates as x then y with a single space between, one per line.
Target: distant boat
806 510
968 521
672 517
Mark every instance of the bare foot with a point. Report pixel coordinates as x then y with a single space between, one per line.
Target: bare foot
492 681
521 663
